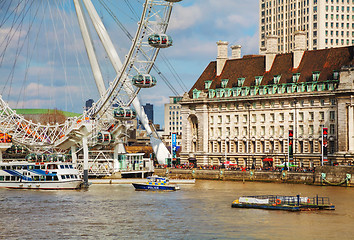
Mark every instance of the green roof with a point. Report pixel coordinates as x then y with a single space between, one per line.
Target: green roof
44 111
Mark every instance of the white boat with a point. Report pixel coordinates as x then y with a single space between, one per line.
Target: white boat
39 175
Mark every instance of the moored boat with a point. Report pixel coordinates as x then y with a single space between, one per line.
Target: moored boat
288 203
156 183
39 175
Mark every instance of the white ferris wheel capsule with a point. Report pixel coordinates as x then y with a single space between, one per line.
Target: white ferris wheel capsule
173 1
144 81
160 40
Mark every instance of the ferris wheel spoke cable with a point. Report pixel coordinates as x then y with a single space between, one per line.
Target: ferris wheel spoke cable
60 53
154 66
18 51
6 17
30 52
11 32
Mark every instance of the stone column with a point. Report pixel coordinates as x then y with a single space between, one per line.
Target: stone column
351 128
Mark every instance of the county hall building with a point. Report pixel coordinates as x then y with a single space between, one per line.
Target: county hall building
241 109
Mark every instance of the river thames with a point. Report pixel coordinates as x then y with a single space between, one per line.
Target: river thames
199 211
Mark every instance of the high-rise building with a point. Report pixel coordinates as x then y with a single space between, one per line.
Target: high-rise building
89 104
173 119
326 23
149 110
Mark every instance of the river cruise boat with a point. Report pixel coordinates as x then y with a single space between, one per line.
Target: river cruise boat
39 175
288 203
155 183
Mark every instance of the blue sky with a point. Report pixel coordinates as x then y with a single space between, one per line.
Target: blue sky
40 81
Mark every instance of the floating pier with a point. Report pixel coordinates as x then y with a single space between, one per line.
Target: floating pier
287 203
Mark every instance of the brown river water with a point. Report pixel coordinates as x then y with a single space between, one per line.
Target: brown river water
199 211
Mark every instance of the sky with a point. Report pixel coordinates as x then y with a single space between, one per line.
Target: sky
31 63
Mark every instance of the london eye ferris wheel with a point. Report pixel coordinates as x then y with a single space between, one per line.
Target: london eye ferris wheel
120 51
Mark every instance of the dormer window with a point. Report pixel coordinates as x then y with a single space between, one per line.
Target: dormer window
315 76
335 75
240 82
276 79
296 77
196 93
258 80
224 82
207 84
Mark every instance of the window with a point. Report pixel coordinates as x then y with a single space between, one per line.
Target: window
262 130
281 130
332 129
296 77
281 117
244 118
236 131
301 116
240 82
244 131
227 118
224 82
276 79
262 117
291 117
254 118
236 118
321 116
311 116
311 129
315 76
207 84
211 119
332 115
272 117
258 80
219 119
227 131
272 130
301 129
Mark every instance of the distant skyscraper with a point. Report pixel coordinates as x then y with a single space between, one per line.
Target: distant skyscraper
173 118
149 110
327 23
89 103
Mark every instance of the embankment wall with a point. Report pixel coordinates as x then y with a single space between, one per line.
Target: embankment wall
327 175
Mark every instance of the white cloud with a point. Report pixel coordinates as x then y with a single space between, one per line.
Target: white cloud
185 17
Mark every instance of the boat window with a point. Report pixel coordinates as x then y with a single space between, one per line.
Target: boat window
30 167
61 166
71 166
13 178
48 178
42 167
63 177
8 167
72 176
37 167
35 178
42 178
55 178
1 178
24 167
2 167
66 166
7 178
75 176
67 176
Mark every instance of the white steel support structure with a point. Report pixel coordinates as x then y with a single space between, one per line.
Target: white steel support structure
159 148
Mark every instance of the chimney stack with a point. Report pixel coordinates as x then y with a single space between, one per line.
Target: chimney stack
271 51
300 47
236 51
222 56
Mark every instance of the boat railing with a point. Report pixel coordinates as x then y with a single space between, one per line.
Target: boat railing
291 200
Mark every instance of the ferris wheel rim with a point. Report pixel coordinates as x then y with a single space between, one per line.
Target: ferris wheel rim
94 110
